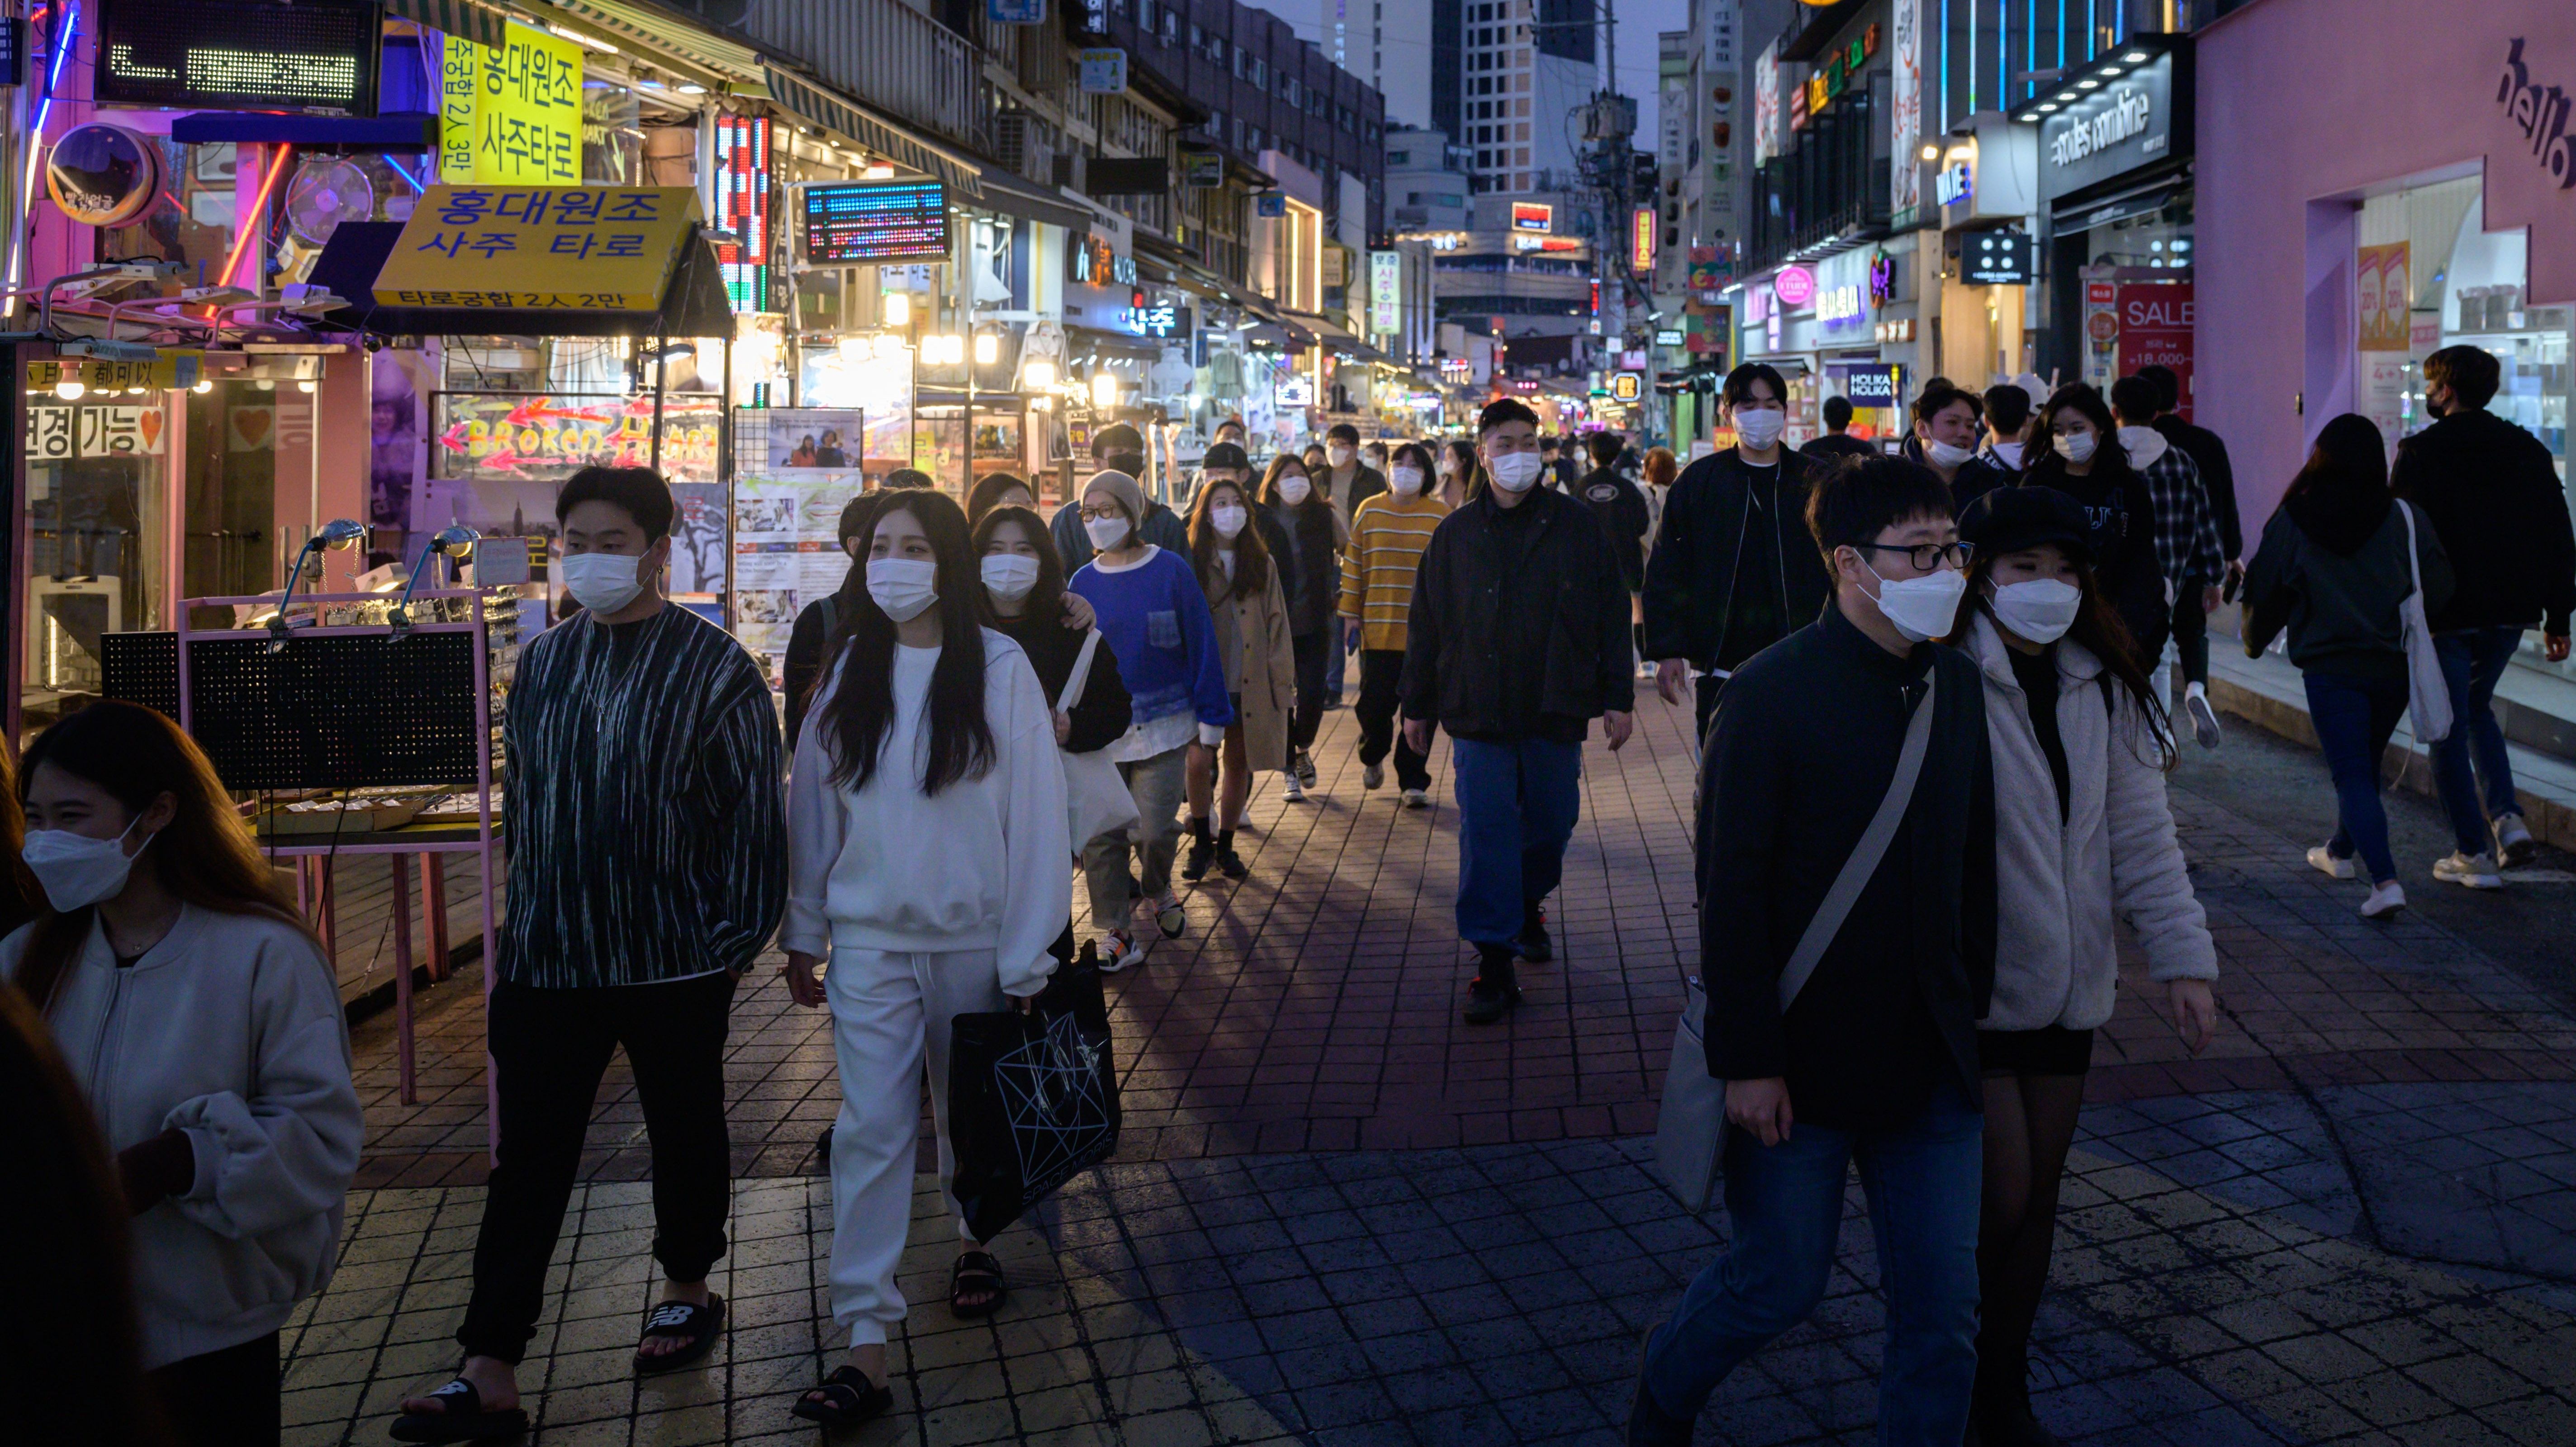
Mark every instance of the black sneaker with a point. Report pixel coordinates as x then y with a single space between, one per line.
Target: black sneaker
1533 944
1194 865
1227 861
1493 993
1304 764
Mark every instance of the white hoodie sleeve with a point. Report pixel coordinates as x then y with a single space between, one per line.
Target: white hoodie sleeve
818 821
1037 886
2150 885
288 1151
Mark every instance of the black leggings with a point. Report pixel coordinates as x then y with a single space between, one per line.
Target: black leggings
2191 637
2030 1122
222 1398
1314 650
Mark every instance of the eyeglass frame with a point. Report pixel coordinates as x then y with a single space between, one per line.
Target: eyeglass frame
1959 554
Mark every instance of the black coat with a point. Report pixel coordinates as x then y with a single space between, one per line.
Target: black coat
1518 627
1624 517
1690 579
2493 497
1801 751
2123 518
1310 563
803 666
1101 716
2217 475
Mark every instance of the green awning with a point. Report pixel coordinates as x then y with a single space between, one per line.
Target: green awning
463 19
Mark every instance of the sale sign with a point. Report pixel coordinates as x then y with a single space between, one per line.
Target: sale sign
2155 330
2384 296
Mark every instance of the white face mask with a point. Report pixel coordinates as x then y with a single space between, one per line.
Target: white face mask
1515 471
1339 454
1944 454
1007 576
1106 533
1759 427
1405 480
2040 610
2078 446
1921 608
2010 452
1294 489
903 587
1227 518
603 582
77 870
1448 465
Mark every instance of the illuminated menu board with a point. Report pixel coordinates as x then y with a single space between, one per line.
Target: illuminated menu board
862 221
316 55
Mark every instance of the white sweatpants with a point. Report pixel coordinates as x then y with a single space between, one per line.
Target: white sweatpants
889 1011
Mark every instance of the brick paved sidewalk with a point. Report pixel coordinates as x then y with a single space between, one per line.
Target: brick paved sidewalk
1341 1216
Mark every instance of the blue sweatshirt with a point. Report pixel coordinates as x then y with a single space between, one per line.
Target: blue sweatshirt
1155 618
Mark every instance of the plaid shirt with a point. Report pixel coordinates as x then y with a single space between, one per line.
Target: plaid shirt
2187 546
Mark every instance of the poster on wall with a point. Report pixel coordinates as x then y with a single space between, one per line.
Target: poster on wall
496 459
1905 24
2155 329
698 553
786 554
395 454
788 441
2385 297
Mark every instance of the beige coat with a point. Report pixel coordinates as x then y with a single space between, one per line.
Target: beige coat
1269 663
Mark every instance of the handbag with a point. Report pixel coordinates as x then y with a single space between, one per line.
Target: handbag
1096 798
2428 692
1032 1098
1690 1130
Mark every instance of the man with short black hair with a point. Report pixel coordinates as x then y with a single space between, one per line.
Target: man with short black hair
1730 574
1516 640
2008 413
1347 482
2491 493
1117 448
2187 549
2208 453
648 866
1835 445
1619 505
1871 1058
1946 424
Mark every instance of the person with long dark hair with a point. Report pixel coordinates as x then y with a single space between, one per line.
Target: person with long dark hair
2077 451
1388 536
818 622
927 845
2083 839
223 1084
1311 577
2334 570
1462 473
1024 585
1241 579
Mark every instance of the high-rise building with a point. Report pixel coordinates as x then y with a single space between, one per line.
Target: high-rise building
1518 89
1388 44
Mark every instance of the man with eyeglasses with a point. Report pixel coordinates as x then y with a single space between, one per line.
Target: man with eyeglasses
1874 1059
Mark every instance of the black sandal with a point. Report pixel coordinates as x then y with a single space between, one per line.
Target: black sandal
974 1270
848 1398
462 1419
696 1325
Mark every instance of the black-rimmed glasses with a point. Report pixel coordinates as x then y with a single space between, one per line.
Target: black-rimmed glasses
1927 557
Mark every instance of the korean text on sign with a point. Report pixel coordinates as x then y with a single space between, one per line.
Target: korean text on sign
512 113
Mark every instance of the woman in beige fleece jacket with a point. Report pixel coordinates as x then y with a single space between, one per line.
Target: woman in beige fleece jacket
2083 837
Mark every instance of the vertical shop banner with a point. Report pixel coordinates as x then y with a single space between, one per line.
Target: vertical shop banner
1905 105
511 114
1766 104
2385 297
2155 329
1386 292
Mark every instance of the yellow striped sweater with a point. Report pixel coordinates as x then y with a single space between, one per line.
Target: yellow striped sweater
1388 535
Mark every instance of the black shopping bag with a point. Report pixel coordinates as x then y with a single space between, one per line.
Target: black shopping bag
1032 1099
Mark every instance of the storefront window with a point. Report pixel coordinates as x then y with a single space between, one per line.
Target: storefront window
97 470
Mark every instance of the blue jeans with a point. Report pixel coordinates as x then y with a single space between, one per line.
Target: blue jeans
2472 660
1335 665
1516 808
2354 718
1785 1202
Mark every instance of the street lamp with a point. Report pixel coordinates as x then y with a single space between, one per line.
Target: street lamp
1037 375
897 309
1104 389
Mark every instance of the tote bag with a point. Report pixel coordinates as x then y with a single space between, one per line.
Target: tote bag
2428 693
1032 1098
1095 794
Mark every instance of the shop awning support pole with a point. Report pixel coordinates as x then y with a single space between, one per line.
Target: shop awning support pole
661 368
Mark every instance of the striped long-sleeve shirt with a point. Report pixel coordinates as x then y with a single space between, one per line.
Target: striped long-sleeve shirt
642 805
1387 538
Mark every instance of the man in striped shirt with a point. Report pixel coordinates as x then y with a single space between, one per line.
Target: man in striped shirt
648 866
1388 534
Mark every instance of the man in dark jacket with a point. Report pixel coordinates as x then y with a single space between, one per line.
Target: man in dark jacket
2493 498
1516 639
1732 573
1875 1058
1620 507
1119 448
1837 444
1948 424
2208 452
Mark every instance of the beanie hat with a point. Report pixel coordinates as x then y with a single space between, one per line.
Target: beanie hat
1120 486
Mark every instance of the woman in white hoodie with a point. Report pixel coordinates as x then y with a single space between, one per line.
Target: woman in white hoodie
198 1015
2083 837
927 844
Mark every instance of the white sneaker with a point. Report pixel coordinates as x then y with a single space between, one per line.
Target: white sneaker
1372 775
2204 719
2385 900
2471 871
1417 798
2513 842
1119 949
1293 792
2321 859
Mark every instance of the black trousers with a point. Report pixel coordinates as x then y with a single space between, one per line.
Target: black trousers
551 1048
2191 636
226 1398
1705 689
1381 691
1314 650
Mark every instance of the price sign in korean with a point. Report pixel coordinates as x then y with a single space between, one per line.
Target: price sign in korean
511 114
598 248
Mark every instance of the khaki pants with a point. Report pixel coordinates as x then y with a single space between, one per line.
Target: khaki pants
1158 784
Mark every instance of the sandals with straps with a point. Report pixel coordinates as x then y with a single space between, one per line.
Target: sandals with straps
697 1327
461 1418
977 1271
847 1398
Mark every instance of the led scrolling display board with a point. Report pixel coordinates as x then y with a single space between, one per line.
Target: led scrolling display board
317 56
851 223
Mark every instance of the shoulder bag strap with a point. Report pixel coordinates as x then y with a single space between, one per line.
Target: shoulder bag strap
2414 569
1081 675
831 618
1865 855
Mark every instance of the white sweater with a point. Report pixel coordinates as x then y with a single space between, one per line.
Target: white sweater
979 866
230 1030
2061 885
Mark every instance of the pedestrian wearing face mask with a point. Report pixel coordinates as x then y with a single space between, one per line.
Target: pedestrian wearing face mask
1024 583
2077 453
1871 1055
647 868
1946 429
1348 479
2083 841
1731 574
1516 639
1117 448
1387 539
199 1012
1313 579
1462 474
818 622
927 853
1240 575
2008 419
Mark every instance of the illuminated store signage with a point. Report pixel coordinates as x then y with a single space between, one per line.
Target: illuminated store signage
315 56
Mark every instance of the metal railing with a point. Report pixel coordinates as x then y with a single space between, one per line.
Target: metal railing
882 52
